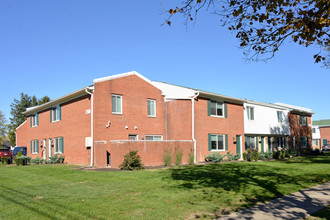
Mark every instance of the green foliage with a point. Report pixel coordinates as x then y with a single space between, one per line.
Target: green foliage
5 160
252 155
167 157
3 127
265 155
245 156
237 156
229 156
278 155
55 159
178 156
37 160
191 157
17 109
132 161
214 157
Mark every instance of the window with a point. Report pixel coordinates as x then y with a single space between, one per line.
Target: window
34 120
217 108
250 142
55 114
151 105
315 142
302 120
314 130
35 146
117 104
217 142
154 138
133 137
58 145
303 142
279 116
250 113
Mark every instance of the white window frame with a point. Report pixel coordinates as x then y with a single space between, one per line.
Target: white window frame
313 142
216 108
55 114
121 104
56 145
303 141
33 119
135 135
248 111
217 141
34 147
154 101
153 136
314 131
279 116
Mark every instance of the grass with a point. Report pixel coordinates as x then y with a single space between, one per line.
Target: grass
207 191
323 214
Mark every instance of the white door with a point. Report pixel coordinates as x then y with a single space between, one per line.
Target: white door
45 149
49 147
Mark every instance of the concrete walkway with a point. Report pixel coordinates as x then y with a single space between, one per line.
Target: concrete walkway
294 206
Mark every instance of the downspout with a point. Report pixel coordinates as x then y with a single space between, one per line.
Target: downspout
193 125
92 127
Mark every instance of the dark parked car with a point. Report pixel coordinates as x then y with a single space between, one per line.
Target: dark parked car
19 149
6 153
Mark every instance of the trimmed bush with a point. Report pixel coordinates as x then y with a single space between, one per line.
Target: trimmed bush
132 161
37 160
229 156
214 157
237 156
245 156
167 157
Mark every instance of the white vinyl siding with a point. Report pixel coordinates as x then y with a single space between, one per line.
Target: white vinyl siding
116 104
151 105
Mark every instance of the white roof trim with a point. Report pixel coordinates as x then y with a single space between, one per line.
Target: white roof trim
121 75
296 108
20 125
221 96
267 105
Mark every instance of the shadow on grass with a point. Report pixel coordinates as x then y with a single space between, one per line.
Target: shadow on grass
310 159
255 181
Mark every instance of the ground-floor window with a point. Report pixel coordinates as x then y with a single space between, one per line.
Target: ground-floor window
35 146
58 145
303 142
154 137
315 142
250 142
217 142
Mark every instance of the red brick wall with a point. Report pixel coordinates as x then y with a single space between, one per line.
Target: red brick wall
151 152
298 130
179 120
135 92
232 125
325 134
73 127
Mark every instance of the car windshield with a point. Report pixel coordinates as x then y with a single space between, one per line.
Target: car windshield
4 149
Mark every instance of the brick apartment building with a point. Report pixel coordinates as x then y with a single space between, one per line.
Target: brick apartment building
321 133
97 125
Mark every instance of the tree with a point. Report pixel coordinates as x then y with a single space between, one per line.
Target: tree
263 25
17 109
3 126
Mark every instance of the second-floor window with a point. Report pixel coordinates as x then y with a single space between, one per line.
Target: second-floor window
314 130
34 120
116 101
151 105
302 120
216 108
55 114
250 113
279 116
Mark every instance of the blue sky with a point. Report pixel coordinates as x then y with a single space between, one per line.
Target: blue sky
55 47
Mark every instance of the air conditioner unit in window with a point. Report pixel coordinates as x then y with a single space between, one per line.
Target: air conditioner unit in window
88 141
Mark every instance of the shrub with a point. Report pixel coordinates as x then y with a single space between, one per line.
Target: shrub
262 156
191 157
214 157
55 159
167 157
252 155
292 153
268 155
229 156
4 160
237 156
37 160
178 156
245 156
132 161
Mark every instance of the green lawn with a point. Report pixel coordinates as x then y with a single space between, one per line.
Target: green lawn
60 192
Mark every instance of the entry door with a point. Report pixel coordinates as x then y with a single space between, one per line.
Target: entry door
239 145
324 142
49 147
45 149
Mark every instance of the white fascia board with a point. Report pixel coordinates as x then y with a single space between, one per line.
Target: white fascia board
295 108
120 76
267 105
173 92
57 101
20 125
223 97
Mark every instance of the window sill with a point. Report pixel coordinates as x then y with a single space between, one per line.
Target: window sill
117 113
218 150
55 121
150 116
217 116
